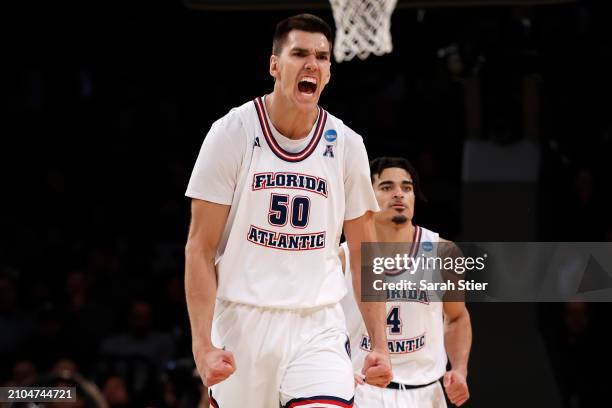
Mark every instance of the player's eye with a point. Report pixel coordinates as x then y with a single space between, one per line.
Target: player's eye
385 188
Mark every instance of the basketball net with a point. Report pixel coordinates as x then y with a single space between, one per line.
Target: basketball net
362 27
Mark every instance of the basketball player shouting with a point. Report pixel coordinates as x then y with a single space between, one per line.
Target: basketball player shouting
275 182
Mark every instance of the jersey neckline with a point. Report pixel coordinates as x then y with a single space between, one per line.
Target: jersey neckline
414 248
276 148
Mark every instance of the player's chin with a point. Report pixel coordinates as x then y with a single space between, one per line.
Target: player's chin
307 102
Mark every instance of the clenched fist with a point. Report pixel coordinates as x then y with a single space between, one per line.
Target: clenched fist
377 369
456 387
214 365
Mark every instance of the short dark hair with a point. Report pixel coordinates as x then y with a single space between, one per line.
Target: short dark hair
303 22
378 165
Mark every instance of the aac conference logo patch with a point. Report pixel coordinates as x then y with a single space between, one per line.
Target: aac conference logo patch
330 135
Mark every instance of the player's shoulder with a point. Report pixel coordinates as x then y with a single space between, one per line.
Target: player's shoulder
448 248
425 234
352 143
343 129
236 116
234 124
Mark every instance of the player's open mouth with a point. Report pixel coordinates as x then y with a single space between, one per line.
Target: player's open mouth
307 85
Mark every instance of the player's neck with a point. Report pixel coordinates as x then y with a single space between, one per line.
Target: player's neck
287 119
390 232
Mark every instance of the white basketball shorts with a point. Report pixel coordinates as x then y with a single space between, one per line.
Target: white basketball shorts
295 358
431 396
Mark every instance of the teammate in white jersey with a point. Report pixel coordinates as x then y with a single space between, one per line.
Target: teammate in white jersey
422 330
276 181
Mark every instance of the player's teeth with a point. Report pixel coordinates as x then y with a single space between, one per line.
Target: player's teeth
311 80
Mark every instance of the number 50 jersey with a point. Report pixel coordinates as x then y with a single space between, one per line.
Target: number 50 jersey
289 200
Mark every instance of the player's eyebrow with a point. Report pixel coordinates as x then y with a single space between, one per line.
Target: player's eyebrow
307 51
390 183
385 183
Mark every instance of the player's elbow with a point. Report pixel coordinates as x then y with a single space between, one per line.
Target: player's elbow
195 249
190 249
460 318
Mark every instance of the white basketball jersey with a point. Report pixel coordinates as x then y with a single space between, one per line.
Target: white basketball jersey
280 245
415 329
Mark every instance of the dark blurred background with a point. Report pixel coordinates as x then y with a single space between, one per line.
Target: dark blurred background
504 110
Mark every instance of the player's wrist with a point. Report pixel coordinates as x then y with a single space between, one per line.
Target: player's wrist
202 347
461 370
381 350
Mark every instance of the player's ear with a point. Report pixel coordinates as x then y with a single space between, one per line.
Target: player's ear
274 66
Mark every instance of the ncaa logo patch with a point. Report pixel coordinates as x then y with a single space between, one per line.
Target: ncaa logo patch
330 136
427 246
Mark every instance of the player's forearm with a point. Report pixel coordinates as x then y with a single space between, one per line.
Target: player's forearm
458 341
201 291
374 317
373 313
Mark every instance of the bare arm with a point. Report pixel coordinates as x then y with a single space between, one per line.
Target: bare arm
207 224
457 335
357 231
377 366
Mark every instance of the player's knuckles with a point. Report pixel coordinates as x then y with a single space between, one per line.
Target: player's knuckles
218 373
368 364
213 379
371 379
377 371
210 380
224 371
454 387
377 383
227 355
457 399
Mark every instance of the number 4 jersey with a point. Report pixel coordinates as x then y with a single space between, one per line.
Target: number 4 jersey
415 330
289 200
